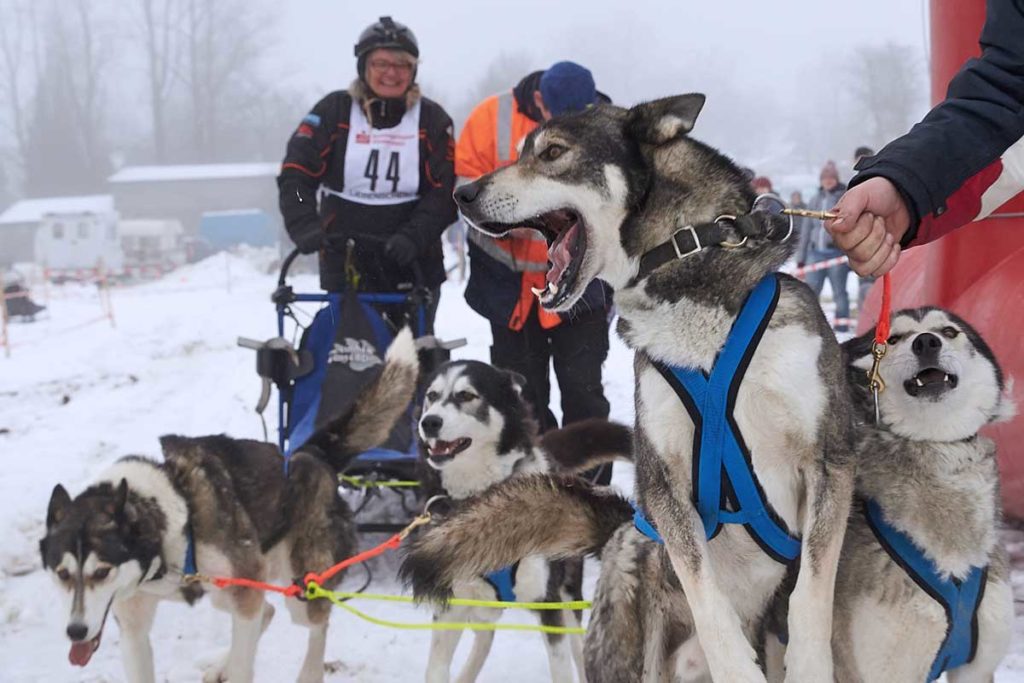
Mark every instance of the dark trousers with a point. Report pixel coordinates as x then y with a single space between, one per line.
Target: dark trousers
577 350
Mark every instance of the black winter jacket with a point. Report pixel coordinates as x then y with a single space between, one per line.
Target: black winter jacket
970 147
316 156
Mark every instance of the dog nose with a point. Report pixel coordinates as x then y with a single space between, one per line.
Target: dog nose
468 193
77 632
926 343
431 425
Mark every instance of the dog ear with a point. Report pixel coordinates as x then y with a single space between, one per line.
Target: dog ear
518 382
115 508
664 120
60 501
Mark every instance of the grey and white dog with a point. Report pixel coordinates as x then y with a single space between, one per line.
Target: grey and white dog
477 431
121 545
935 480
607 186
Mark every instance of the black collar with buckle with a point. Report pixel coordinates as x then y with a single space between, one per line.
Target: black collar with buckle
688 241
692 239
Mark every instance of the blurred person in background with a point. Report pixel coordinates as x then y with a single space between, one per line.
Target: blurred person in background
381 158
816 245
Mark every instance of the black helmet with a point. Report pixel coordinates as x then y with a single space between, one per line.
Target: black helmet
388 34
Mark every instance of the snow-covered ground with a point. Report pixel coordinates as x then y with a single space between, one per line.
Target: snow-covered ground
75 395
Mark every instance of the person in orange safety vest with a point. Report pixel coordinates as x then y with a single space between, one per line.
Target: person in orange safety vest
526 338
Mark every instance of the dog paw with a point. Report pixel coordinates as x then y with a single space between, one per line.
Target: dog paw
217 671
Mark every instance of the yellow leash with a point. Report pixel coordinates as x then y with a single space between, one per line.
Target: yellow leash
315 592
360 483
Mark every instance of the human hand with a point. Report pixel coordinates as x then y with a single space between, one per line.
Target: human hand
872 220
401 249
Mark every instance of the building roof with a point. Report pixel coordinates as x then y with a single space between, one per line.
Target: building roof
150 174
33 210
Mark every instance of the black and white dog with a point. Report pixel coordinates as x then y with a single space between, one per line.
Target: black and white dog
224 506
671 224
477 431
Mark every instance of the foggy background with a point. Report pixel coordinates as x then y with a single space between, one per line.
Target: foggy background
87 87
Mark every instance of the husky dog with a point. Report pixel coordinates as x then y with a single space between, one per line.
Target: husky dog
224 506
627 196
476 431
935 481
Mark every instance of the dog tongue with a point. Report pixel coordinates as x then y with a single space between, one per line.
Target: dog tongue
560 253
81 652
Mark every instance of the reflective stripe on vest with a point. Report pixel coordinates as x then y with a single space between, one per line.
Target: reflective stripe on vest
960 599
503 136
505 251
723 471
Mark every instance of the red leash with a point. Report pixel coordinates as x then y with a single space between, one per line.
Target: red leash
295 590
880 345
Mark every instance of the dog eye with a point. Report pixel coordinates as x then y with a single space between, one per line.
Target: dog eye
893 339
63 574
433 396
101 573
552 152
465 396
950 332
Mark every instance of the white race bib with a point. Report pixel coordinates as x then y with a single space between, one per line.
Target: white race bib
382 166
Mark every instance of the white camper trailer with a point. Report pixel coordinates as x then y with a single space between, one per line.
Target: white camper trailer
74 241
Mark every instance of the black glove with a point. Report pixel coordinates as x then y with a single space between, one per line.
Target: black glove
401 249
309 239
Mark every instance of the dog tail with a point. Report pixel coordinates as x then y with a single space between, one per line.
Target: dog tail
586 444
552 516
368 422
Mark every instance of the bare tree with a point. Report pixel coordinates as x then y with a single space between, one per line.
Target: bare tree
161 23
19 51
886 83
224 39
66 148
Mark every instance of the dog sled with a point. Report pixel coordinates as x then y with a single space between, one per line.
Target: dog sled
328 346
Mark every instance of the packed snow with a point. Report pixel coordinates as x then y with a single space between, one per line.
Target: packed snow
78 392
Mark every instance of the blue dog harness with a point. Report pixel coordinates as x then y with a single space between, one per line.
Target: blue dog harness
504 582
190 552
722 469
960 599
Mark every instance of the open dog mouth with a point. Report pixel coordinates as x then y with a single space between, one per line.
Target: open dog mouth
82 650
443 451
931 382
566 235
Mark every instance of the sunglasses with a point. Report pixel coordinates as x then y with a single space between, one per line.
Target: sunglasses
382 65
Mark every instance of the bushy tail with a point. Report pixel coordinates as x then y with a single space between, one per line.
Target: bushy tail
368 422
548 515
586 444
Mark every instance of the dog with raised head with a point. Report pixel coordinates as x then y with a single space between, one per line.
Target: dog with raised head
932 479
476 431
627 196
222 507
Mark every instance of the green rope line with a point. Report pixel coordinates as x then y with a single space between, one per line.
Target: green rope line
315 592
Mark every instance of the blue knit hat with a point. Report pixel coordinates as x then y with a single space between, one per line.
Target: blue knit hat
567 87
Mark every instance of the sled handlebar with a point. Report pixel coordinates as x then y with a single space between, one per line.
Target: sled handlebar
286 264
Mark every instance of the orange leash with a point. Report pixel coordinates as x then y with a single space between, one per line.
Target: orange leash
880 344
295 590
